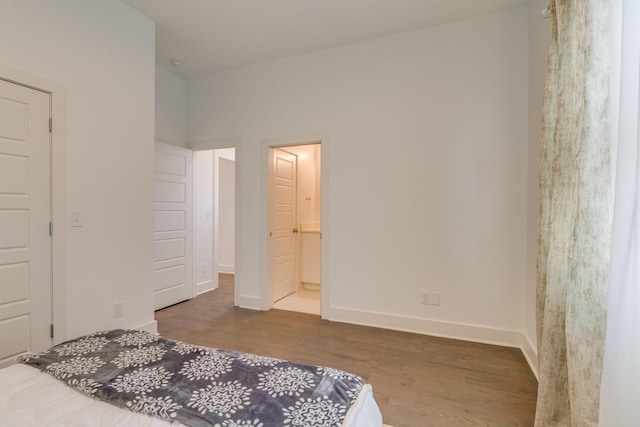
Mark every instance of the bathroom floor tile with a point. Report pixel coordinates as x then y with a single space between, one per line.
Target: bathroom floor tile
304 301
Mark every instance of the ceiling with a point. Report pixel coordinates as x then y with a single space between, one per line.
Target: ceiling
215 35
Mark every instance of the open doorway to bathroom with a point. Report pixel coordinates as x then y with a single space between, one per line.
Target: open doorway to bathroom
214 219
296 169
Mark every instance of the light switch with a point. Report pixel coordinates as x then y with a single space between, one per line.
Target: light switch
75 218
209 214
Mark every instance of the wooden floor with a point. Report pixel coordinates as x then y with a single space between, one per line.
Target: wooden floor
418 381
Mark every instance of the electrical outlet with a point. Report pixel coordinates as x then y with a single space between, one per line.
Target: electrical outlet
435 298
425 298
118 309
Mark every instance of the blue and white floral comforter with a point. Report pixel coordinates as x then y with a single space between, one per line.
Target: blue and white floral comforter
199 386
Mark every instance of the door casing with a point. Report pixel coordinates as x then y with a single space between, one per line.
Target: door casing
266 301
217 144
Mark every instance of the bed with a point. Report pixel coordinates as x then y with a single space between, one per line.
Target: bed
134 378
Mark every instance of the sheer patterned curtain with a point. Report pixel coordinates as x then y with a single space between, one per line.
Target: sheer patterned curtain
620 388
575 215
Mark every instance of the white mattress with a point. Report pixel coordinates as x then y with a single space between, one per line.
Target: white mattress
30 397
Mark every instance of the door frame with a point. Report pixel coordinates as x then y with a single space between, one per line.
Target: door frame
57 190
283 142
218 144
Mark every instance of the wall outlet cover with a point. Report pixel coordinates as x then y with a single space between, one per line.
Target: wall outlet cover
118 309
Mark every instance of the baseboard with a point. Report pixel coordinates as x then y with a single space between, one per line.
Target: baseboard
203 287
151 327
230 269
436 328
251 303
530 353
458 331
311 286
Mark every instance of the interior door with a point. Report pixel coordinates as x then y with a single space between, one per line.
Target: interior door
25 243
282 248
172 226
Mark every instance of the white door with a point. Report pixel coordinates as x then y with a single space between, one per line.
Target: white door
282 229
172 225
25 243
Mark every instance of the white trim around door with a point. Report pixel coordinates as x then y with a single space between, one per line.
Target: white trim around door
283 142
240 300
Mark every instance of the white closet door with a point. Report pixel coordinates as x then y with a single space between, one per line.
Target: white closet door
25 244
172 225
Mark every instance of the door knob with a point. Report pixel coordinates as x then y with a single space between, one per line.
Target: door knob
295 229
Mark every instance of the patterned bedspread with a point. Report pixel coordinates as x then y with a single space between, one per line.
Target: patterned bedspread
199 386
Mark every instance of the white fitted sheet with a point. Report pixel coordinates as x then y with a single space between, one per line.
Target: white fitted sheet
30 398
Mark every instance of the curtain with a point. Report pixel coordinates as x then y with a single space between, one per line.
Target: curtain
575 216
620 387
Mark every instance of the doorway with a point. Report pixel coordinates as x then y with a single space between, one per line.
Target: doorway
214 216
295 202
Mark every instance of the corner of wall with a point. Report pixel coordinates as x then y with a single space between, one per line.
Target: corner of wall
530 353
251 303
151 327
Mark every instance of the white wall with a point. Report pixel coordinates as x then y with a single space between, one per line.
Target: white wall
171 108
203 214
427 163
539 38
103 53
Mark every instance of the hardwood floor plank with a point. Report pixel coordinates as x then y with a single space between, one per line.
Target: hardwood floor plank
418 380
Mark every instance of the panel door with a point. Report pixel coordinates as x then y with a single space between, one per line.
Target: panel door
172 226
25 244
283 224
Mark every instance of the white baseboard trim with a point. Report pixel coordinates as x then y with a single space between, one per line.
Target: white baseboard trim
436 328
230 269
203 287
311 286
151 327
530 353
252 303
458 331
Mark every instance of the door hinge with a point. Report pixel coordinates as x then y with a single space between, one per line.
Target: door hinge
50 124
51 330
50 229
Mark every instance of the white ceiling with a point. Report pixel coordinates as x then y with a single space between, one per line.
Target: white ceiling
215 35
